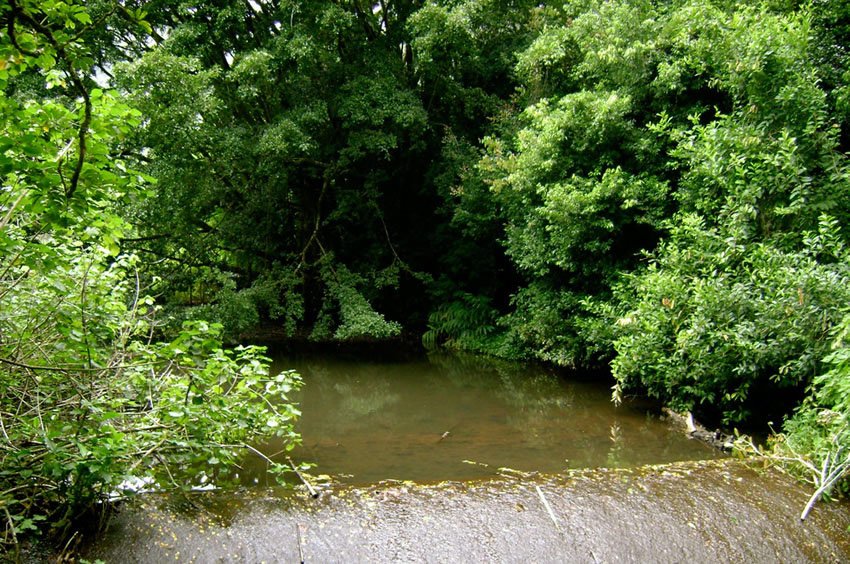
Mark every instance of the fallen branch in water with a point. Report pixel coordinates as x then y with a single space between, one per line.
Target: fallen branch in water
834 466
832 470
449 432
694 430
313 492
301 477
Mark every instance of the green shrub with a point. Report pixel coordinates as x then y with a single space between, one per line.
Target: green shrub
709 322
815 442
89 404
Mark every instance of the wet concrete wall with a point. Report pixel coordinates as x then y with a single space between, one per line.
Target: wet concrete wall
710 511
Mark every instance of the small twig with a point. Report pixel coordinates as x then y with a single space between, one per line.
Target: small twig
14 283
83 318
312 491
11 526
258 453
146 454
548 507
387 233
15 489
71 368
61 156
300 548
3 429
11 210
65 554
449 432
167 470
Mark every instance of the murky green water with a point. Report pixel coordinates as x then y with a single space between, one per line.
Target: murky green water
375 421
450 418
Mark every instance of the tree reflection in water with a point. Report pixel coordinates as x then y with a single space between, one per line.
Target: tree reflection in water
427 419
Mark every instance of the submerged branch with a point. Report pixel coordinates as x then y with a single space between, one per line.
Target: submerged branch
312 491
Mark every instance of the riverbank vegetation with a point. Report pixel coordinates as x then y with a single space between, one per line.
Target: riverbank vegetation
658 186
95 402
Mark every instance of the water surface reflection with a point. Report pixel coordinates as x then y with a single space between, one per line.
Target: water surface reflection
455 418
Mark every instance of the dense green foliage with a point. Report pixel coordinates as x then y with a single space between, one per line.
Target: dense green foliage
714 327
753 276
661 186
276 147
91 404
815 444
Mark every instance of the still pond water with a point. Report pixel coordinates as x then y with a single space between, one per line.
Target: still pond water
459 418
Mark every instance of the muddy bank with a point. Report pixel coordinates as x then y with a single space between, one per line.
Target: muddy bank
685 512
